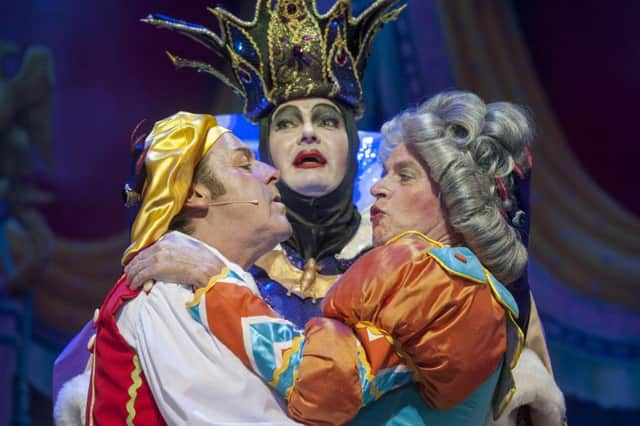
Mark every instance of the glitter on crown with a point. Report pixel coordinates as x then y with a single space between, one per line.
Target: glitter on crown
289 50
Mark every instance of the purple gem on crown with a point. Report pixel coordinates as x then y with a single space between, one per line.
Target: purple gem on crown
342 57
244 76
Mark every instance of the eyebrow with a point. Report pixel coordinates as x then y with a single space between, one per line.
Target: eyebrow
323 106
289 109
319 110
244 150
402 164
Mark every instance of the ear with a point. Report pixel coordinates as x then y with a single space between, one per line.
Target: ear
198 198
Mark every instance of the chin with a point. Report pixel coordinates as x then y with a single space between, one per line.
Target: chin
282 238
285 232
311 188
379 238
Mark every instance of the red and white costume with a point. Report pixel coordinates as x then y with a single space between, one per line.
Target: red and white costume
153 364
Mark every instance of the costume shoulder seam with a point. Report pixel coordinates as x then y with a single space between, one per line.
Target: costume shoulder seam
462 262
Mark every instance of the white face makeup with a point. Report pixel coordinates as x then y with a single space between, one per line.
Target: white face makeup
309 145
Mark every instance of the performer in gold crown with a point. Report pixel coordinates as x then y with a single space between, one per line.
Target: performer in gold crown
300 75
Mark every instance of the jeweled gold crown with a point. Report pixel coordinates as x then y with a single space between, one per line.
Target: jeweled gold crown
289 50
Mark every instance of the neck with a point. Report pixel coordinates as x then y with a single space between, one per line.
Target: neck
322 226
243 249
441 233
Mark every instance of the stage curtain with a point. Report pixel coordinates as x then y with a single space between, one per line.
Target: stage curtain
585 250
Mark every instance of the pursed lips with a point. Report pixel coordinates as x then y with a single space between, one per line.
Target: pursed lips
275 199
310 159
375 214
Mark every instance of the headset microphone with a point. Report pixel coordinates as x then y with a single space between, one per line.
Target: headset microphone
224 203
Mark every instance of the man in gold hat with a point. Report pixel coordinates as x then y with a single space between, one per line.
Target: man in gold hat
151 361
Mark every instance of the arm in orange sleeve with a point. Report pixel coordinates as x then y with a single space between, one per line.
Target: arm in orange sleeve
323 372
450 330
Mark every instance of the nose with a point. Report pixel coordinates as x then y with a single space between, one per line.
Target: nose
379 190
268 174
308 133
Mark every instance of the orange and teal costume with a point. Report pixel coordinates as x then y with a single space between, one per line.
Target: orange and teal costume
410 311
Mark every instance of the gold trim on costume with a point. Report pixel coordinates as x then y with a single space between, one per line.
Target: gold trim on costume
133 390
93 385
203 290
520 345
286 360
506 400
277 266
418 233
507 308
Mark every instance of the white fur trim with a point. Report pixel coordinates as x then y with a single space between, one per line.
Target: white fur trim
536 388
69 409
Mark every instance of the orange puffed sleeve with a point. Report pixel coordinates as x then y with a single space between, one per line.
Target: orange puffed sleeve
317 372
327 388
450 329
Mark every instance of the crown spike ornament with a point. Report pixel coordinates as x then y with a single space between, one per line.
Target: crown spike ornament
289 50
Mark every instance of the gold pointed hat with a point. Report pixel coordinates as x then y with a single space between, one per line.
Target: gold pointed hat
289 50
172 152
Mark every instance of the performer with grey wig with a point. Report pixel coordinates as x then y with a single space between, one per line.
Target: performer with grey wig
479 156
475 152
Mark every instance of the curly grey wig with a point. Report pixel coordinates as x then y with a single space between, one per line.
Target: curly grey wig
471 150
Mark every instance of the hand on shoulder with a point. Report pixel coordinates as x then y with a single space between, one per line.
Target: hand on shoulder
174 259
